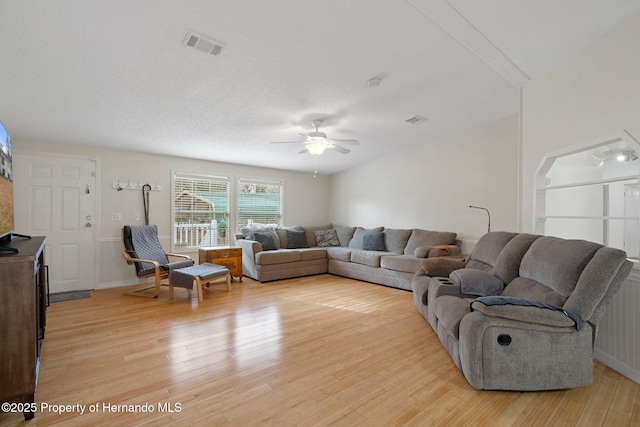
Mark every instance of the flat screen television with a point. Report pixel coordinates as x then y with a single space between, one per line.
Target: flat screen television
6 187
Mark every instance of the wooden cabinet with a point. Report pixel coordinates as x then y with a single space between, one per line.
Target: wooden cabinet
227 256
23 305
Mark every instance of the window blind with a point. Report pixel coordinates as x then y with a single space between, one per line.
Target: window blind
200 210
259 203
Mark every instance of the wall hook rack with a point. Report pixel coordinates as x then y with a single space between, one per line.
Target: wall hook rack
133 185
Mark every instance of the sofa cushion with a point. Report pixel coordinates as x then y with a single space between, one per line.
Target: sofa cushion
357 242
485 253
339 253
345 234
507 266
395 240
295 239
312 253
557 263
530 289
277 257
370 258
404 263
373 242
266 240
428 238
476 282
311 239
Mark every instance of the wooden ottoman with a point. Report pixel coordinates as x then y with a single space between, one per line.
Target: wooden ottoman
186 277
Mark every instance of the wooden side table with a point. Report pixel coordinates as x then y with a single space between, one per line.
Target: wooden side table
230 257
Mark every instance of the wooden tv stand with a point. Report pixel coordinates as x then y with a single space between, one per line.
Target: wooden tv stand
23 286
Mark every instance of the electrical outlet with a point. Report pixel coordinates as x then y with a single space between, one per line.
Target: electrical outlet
116 216
136 216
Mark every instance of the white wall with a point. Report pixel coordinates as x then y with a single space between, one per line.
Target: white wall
306 199
432 186
592 94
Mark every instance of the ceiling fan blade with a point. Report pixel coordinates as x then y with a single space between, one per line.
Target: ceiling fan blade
339 149
346 141
304 150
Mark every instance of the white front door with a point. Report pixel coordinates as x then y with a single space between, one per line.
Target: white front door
56 197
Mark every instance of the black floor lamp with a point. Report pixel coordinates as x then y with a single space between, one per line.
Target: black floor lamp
488 215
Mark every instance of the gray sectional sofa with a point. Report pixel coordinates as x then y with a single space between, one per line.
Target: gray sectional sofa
521 312
379 255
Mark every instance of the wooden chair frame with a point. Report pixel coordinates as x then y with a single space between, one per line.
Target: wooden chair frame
158 273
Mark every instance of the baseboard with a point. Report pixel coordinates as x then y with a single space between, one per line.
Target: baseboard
121 284
617 365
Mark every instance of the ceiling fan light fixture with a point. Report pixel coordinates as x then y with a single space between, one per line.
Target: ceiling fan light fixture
316 148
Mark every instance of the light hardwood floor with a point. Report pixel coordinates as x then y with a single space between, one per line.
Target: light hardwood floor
322 350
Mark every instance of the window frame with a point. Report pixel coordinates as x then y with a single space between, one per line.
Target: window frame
543 187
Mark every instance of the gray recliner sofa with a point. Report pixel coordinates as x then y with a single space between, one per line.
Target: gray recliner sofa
522 311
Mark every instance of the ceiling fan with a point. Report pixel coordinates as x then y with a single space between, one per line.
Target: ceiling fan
317 142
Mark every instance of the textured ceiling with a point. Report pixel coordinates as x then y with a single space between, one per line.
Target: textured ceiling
116 73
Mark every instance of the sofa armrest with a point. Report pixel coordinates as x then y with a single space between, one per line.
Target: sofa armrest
250 247
527 311
441 266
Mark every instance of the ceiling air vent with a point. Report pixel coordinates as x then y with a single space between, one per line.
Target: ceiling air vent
202 44
416 120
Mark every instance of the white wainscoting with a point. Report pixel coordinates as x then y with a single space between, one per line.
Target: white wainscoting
618 341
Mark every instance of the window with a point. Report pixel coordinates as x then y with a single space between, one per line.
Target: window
259 203
200 210
592 192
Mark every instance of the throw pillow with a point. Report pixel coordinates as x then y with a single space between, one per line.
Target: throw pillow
311 239
326 238
266 240
249 232
476 282
373 242
296 239
357 240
